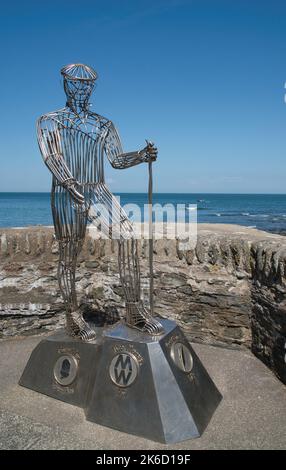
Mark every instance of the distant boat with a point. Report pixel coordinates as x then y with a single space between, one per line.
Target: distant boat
201 204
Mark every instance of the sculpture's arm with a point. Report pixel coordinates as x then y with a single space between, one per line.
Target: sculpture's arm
49 141
121 160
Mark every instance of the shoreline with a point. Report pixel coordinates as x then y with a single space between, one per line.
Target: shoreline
202 225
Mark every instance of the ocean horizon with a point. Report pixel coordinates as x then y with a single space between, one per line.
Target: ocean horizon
262 211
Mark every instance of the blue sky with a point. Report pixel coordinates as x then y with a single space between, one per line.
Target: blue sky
204 79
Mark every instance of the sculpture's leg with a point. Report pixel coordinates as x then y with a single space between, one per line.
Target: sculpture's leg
137 315
70 228
114 223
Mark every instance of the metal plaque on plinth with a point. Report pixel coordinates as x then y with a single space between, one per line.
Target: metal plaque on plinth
154 387
63 368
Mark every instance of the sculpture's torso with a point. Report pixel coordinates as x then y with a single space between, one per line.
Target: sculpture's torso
81 138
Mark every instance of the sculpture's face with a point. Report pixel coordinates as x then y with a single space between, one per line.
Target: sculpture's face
78 90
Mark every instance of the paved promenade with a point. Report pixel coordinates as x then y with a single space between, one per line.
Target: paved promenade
252 414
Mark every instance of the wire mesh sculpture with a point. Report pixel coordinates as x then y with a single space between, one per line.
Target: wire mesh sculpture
74 142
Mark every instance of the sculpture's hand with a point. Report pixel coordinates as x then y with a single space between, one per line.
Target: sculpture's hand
77 197
70 185
151 152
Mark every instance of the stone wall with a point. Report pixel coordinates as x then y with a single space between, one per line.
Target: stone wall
228 291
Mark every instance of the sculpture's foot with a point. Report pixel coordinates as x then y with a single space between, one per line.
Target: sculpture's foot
78 328
137 316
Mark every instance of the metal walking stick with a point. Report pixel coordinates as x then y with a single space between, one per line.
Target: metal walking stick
150 207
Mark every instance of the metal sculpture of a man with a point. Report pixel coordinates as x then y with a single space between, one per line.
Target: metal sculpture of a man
74 142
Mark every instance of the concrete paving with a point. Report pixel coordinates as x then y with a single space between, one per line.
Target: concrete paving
252 414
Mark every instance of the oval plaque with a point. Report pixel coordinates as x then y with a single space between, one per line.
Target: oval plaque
123 369
65 370
182 357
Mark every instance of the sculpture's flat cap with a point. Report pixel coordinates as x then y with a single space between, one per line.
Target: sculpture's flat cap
78 72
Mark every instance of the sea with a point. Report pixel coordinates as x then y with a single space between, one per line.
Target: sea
262 211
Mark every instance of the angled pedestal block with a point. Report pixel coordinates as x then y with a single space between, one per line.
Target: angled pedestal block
154 387
63 368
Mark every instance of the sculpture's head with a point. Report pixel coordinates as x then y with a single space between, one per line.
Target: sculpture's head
79 81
